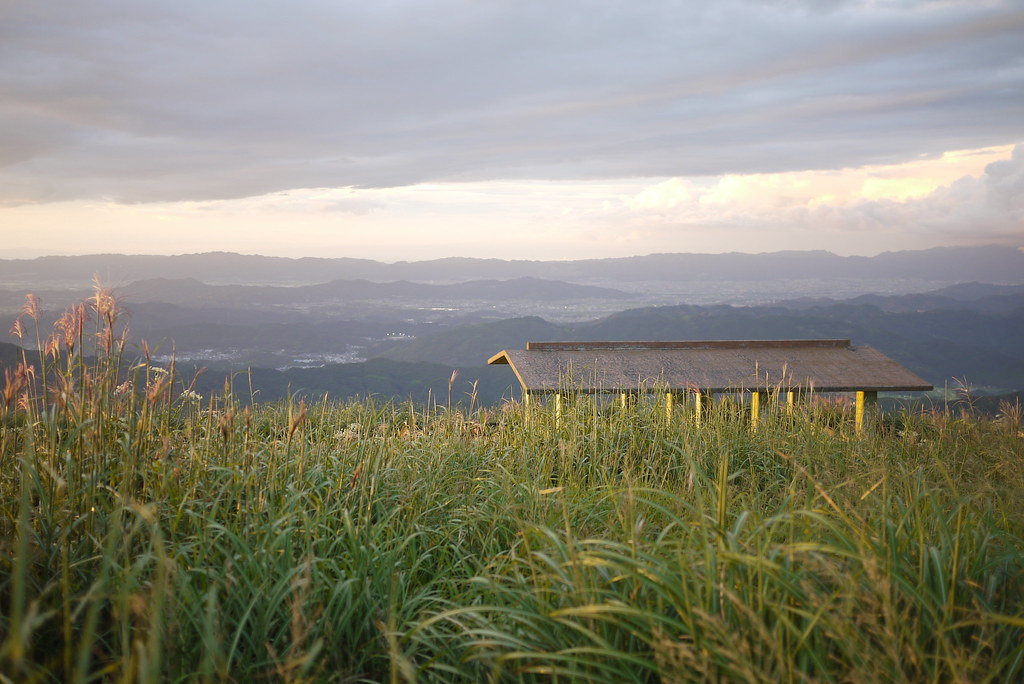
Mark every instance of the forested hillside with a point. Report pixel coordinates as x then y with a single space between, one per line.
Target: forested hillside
940 344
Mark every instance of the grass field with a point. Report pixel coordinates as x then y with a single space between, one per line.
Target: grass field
151 534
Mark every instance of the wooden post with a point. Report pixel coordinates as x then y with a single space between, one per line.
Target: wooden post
867 402
702 401
794 397
755 410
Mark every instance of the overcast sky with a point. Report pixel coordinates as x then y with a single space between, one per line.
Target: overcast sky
412 129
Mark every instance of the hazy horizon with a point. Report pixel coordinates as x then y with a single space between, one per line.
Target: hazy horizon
6 255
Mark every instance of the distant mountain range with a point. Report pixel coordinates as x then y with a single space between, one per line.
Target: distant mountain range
992 264
190 291
972 332
973 296
935 335
351 327
195 293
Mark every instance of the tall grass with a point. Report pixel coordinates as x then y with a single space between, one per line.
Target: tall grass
149 534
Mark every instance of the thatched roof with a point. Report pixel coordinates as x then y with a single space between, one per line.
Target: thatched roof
719 366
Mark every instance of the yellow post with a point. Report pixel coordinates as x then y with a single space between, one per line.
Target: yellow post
858 413
866 404
702 401
624 400
755 409
668 405
558 410
790 401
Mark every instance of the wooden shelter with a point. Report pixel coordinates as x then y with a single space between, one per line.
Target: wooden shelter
758 367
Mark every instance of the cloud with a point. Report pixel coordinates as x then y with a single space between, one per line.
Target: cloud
962 197
145 102
969 210
990 205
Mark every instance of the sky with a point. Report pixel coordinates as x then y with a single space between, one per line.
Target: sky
518 129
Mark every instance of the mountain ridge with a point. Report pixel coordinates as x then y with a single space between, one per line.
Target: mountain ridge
990 263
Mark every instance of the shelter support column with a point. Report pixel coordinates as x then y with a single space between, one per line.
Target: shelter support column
794 397
702 405
755 408
866 407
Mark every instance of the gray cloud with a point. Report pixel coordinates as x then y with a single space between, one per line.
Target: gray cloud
188 100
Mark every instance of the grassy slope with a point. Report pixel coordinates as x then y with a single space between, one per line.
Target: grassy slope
150 535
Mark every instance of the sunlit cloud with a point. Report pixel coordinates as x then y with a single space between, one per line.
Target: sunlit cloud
959 196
